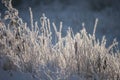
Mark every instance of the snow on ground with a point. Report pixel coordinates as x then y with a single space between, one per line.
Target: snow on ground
15 75
6 74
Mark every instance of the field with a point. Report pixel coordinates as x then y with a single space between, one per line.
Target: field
41 54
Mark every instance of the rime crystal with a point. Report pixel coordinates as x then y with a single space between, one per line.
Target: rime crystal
32 51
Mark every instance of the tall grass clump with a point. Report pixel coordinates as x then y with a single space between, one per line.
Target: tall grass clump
30 49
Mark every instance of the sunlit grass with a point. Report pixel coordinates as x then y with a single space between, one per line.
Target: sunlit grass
30 49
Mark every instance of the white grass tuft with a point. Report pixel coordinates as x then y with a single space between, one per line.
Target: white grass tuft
31 50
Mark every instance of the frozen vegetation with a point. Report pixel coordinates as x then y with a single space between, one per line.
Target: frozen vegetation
36 53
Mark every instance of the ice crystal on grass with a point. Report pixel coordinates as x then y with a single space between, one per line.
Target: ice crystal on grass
30 49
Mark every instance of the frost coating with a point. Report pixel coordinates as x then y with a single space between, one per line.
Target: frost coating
30 49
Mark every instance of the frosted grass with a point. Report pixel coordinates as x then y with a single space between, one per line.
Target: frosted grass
30 49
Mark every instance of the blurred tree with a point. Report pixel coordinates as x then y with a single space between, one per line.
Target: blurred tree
67 2
46 2
99 5
16 2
